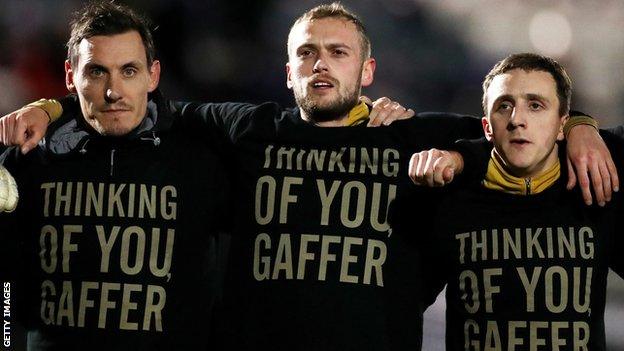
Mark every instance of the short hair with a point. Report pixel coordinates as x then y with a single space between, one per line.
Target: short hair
533 62
108 18
336 10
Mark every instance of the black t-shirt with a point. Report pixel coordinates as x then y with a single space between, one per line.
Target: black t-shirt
313 261
523 272
118 238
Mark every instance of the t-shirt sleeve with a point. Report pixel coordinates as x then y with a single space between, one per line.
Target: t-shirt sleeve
220 124
411 218
222 119
450 127
614 138
476 154
13 267
615 245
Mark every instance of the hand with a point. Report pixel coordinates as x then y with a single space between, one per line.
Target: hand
24 127
8 191
435 168
386 111
588 155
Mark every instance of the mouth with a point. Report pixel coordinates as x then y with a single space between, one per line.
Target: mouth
322 84
115 110
115 113
519 141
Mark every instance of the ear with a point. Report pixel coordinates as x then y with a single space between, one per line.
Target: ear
154 76
289 83
487 128
564 119
368 71
69 77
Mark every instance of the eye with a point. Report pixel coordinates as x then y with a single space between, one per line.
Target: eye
505 106
535 106
96 72
304 53
340 52
129 72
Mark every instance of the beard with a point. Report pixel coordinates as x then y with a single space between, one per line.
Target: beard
333 110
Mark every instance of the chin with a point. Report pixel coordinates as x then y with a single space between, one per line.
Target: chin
520 165
116 130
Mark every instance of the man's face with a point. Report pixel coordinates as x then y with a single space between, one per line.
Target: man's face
325 69
523 120
112 80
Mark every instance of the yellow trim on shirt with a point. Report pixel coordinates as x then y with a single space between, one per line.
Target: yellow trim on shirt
497 178
357 115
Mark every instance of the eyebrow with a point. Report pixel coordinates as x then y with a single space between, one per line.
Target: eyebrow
92 65
529 96
134 64
306 46
537 97
329 46
339 45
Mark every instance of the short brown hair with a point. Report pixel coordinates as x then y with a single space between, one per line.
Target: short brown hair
336 10
533 62
108 18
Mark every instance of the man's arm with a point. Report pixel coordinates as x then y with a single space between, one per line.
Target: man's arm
586 152
590 163
28 125
435 167
24 127
385 111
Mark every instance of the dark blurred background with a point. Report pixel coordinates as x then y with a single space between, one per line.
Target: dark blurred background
431 56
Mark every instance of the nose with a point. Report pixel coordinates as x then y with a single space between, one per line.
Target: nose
320 65
518 118
113 90
112 95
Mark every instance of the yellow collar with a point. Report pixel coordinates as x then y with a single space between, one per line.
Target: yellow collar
498 179
357 115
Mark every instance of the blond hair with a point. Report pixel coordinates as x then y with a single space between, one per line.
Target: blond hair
336 10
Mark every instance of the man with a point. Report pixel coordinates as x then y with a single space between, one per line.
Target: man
525 262
115 253
112 82
308 265
308 256
308 259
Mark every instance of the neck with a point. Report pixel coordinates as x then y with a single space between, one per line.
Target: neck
531 171
500 178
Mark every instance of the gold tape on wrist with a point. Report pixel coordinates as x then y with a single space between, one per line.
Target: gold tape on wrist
52 107
574 121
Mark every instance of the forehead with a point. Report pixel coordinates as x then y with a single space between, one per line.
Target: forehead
519 82
324 30
112 50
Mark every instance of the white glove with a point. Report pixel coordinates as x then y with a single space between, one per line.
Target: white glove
8 191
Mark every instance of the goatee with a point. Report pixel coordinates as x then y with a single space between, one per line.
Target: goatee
331 112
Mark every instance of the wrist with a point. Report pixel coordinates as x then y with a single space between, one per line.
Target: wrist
52 108
458 161
575 121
